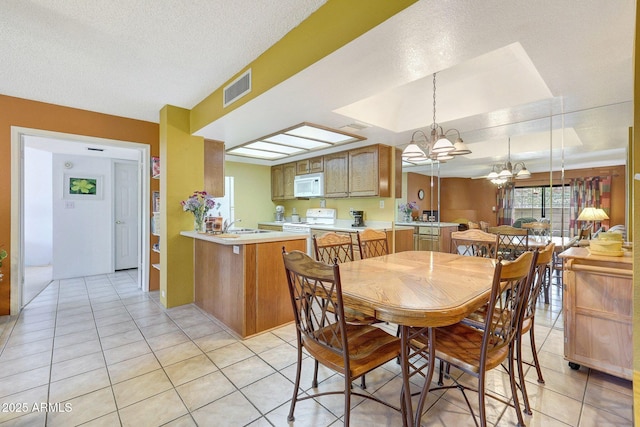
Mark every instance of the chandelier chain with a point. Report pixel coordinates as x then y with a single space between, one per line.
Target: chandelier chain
434 101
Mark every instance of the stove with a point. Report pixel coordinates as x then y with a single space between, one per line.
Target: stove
314 216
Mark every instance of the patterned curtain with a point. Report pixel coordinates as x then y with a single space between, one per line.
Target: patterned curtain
505 198
590 191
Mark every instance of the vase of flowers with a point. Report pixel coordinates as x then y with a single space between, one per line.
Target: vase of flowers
406 209
199 204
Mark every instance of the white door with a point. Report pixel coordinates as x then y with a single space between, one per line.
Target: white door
126 215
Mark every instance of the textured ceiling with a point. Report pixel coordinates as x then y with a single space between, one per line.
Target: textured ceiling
131 58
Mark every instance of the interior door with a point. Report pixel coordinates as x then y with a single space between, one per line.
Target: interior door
126 215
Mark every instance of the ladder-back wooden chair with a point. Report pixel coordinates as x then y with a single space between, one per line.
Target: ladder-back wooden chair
372 243
331 246
476 350
321 329
538 281
474 242
512 241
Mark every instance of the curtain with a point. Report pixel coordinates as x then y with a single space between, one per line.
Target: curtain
505 198
590 191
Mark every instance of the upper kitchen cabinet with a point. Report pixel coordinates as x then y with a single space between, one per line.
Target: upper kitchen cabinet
282 177
370 171
214 167
336 175
314 165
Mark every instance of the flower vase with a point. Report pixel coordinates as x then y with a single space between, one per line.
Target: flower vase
198 224
407 217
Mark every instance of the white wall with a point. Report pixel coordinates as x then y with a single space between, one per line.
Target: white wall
82 227
38 209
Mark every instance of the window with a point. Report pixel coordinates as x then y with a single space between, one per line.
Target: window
544 203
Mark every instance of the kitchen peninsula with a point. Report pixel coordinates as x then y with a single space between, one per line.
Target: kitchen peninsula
240 279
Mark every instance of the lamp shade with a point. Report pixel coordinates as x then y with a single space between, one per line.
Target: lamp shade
412 150
592 214
505 173
460 148
523 174
492 175
442 145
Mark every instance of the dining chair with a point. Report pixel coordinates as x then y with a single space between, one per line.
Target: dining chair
512 241
474 242
527 323
484 226
321 330
331 246
372 243
538 228
478 350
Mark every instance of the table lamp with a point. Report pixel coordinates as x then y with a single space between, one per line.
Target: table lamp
591 214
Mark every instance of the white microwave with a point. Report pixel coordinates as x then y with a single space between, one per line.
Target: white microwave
310 185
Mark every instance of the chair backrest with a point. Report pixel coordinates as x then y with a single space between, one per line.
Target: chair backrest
473 225
316 298
474 242
484 226
512 242
372 243
538 228
543 261
332 246
585 233
511 282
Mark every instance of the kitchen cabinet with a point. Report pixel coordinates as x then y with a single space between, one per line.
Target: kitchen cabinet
306 166
433 238
282 177
369 171
336 175
598 311
289 172
277 183
214 168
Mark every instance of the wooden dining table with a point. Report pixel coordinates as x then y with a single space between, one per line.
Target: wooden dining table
418 290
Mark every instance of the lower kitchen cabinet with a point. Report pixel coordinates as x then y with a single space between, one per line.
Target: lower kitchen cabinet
598 311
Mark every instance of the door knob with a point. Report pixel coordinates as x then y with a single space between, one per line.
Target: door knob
119 222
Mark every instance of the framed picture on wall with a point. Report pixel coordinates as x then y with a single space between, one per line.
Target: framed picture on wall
83 186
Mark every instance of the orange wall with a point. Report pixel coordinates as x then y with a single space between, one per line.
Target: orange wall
38 115
474 198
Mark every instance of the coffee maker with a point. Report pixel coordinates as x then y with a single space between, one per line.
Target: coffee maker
358 218
279 213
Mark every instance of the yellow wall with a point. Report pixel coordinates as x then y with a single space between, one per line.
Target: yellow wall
181 173
252 198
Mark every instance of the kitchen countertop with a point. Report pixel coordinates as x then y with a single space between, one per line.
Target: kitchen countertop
245 239
427 224
344 225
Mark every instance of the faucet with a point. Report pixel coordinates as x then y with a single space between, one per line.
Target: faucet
226 225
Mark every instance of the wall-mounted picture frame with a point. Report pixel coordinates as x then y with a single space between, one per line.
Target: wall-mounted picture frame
83 186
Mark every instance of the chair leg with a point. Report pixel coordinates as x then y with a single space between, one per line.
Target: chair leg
347 399
534 350
481 399
297 384
363 383
514 388
523 386
441 374
314 383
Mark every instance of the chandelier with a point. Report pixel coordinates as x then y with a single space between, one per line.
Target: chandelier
436 146
504 172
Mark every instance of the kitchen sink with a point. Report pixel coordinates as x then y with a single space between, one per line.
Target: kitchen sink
247 231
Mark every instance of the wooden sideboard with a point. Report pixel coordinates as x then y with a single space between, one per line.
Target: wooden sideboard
598 311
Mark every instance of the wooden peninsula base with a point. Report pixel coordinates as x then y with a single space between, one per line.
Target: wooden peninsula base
242 283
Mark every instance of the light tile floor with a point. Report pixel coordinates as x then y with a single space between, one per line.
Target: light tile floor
97 351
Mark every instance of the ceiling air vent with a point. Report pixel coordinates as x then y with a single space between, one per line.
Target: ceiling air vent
237 89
